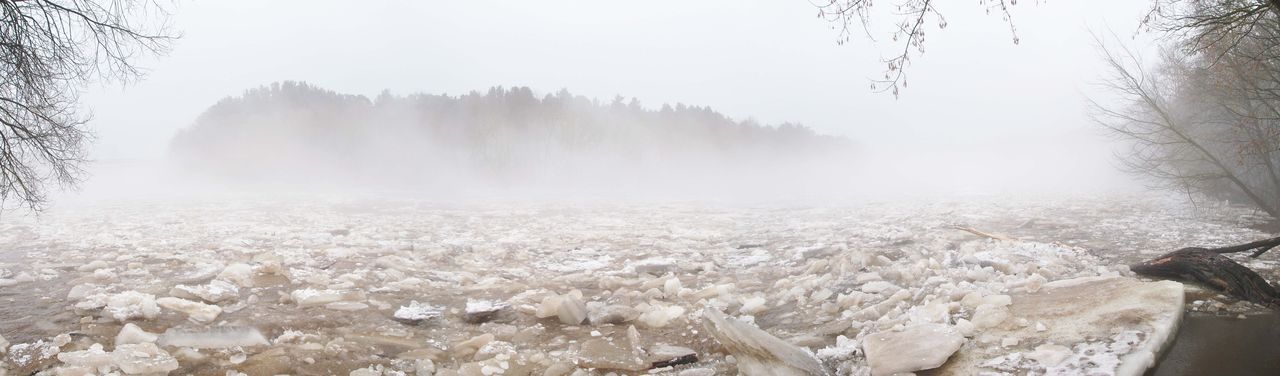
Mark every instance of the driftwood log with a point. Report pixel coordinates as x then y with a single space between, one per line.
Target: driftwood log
1208 266
1205 266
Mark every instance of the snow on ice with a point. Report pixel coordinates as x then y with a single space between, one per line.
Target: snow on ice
410 287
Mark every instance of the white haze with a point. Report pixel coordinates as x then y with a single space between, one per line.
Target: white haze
980 115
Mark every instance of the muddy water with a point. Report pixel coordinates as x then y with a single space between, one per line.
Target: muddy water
31 312
1224 345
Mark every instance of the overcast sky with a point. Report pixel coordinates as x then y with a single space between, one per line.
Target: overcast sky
972 92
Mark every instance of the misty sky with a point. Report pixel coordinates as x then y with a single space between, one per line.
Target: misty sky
974 97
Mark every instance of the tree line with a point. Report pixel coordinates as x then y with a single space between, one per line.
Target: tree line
296 130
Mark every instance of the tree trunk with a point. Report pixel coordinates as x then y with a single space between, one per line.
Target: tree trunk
1211 268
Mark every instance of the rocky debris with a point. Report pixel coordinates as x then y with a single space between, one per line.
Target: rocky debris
914 348
131 305
130 334
667 356
416 313
143 358
4 345
196 311
759 353
479 311
217 337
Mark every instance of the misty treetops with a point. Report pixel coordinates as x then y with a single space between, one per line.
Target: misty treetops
288 130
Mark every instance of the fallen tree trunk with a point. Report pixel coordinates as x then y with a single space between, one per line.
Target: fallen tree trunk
1208 266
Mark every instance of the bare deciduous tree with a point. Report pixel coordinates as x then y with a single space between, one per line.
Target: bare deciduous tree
1206 118
49 49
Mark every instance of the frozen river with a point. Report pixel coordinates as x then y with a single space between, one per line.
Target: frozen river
318 286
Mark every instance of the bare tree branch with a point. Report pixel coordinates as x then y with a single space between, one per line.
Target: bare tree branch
846 16
50 49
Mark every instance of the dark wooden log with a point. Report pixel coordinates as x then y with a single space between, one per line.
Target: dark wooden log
1262 246
1211 268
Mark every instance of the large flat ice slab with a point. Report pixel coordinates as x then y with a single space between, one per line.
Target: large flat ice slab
1092 325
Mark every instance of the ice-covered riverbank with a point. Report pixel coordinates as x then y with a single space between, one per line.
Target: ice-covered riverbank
331 286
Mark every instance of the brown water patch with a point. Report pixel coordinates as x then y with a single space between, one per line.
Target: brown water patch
1223 345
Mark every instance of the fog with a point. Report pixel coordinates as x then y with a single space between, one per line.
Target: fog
666 188
981 115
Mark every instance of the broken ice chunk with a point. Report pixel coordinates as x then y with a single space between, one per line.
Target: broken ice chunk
657 316
347 306
130 305
610 355
1049 355
197 311
759 353
875 287
143 358
93 357
82 291
131 334
216 291
213 338
203 272
993 311
238 273
479 311
655 266
93 265
28 358
572 310
416 313
1083 315
613 314
915 348
753 305
312 297
550 306
667 356
472 345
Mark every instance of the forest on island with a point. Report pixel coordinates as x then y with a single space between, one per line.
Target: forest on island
295 132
